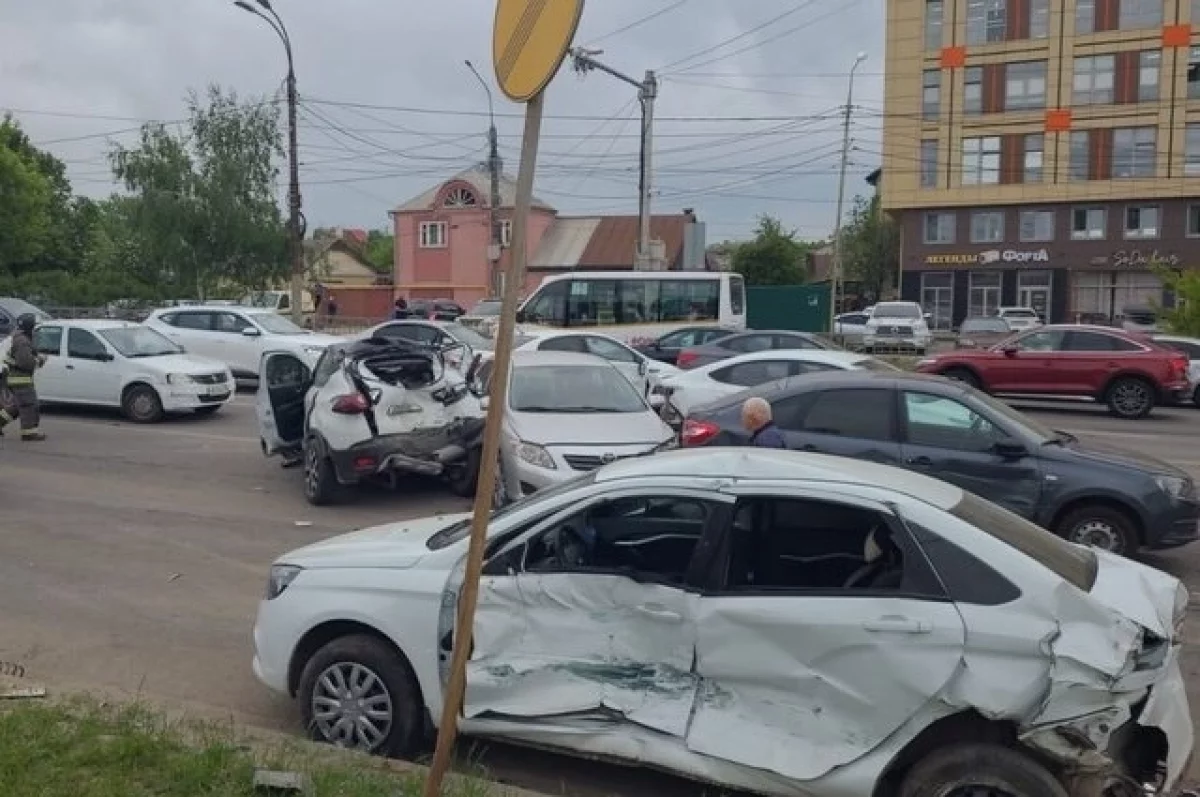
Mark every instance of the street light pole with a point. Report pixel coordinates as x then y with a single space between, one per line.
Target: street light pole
494 168
295 216
837 275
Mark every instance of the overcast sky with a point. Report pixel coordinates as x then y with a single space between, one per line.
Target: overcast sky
389 108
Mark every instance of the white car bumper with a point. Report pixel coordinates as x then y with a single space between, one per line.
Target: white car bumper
271 652
899 342
181 398
569 462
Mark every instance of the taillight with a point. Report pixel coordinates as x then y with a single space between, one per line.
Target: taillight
351 404
697 433
1180 365
686 359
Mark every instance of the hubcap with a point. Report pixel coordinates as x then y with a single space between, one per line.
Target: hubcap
143 405
312 471
351 707
1099 533
1130 398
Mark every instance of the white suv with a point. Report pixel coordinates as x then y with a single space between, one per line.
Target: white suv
897 326
1020 318
237 336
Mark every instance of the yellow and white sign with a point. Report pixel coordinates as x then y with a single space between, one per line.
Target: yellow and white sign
529 41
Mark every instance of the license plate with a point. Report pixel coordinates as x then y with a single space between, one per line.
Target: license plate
216 390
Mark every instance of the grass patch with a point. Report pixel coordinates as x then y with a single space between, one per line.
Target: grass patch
901 361
83 749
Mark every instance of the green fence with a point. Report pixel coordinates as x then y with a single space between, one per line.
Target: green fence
803 308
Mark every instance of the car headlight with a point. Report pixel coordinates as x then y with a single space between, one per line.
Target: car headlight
1174 486
281 576
179 379
926 361
536 455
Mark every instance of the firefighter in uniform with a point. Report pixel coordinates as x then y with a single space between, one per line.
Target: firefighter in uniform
20 364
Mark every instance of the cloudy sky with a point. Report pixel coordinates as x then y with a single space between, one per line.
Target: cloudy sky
748 108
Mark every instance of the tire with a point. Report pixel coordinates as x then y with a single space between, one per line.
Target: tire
207 411
390 699
989 768
321 486
464 481
1130 398
141 404
1102 526
966 376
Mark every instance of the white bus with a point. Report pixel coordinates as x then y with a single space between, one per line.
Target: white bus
636 305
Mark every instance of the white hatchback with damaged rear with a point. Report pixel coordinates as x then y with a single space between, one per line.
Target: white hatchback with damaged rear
781 623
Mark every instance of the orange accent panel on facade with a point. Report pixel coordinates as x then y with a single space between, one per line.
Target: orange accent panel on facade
954 57
1177 36
1058 120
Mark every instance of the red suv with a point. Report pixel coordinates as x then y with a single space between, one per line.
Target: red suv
1127 372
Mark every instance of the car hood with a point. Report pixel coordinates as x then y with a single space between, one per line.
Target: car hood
1123 458
1138 592
179 364
564 429
393 545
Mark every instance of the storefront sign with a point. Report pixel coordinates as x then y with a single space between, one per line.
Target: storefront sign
1136 258
989 257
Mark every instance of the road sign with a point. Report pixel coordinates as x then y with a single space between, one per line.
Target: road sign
530 38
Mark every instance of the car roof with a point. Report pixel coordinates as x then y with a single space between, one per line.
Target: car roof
90 323
829 356
773 332
213 308
524 359
775 465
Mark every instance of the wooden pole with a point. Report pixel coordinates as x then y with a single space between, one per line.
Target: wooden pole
498 397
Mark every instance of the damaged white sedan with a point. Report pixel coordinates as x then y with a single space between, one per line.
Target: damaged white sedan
782 623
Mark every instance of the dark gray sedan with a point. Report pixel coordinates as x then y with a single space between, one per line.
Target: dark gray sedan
1114 499
746 342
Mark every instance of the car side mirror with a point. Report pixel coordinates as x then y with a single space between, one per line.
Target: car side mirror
251 332
485 403
1010 449
522 318
1010 351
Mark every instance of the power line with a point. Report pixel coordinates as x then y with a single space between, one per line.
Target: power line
738 37
639 22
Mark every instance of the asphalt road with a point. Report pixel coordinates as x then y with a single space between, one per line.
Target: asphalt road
132 560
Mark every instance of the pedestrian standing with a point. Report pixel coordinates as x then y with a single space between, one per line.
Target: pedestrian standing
400 309
756 418
20 364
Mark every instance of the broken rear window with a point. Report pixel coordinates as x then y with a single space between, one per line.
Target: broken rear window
1071 562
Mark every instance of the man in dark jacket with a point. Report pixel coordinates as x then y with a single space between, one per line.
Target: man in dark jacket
400 309
756 418
20 364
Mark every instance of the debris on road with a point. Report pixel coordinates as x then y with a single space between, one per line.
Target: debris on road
21 692
272 781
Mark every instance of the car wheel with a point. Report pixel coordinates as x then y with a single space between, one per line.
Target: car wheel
206 411
1130 398
321 486
963 375
358 693
141 404
980 769
1101 526
465 478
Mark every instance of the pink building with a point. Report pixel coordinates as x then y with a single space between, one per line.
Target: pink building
443 237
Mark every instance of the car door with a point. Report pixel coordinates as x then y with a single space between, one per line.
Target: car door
949 440
808 656
1091 358
1031 364
50 378
192 329
282 401
847 422
92 372
666 349
730 379
785 341
240 342
626 360
589 617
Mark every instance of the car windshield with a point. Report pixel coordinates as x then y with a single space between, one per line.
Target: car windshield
468 336
871 364
1073 563
984 325
139 342
19 307
897 310
276 324
487 307
573 388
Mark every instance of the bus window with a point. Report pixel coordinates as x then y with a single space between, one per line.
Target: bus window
549 306
690 300
592 303
737 295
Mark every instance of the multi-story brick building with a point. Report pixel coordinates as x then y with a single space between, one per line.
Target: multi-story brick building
1042 152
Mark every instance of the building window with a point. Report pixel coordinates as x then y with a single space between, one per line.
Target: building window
931 94
1193 221
1141 221
1078 166
933 24
1039 19
1097 16
1085 16
1134 151
1034 147
987 226
1149 69
981 161
987 21
973 90
1093 80
939 227
983 298
433 234
506 233
937 297
1191 152
1025 85
460 198
1037 226
1087 224
1193 69
929 152
1139 14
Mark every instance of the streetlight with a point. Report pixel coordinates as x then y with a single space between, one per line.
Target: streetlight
494 168
836 275
295 217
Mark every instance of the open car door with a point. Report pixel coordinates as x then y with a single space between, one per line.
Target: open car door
283 384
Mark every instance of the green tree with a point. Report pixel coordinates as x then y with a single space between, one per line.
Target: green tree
203 211
773 257
871 247
381 251
1184 319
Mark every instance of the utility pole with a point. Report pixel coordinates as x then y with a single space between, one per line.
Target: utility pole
296 223
836 277
495 167
585 61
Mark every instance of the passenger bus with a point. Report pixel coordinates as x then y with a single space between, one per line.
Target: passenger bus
634 306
